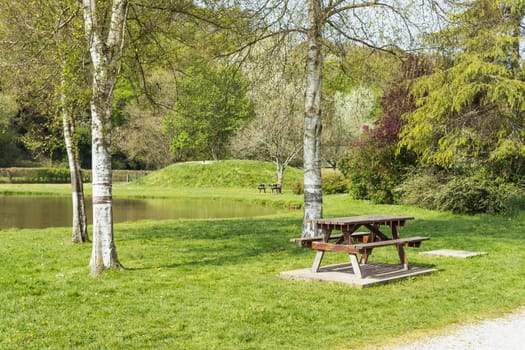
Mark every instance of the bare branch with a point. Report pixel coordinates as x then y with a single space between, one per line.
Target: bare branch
389 49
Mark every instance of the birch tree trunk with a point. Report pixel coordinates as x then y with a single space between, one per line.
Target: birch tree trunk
280 172
79 232
313 196
104 56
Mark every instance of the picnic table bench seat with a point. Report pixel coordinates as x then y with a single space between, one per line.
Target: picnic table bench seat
365 248
306 242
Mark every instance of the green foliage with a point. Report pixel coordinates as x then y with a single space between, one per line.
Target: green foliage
373 171
45 70
463 193
334 182
472 108
514 204
421 187
34 175
375 165
211 106
10 153
476 194
8 110
352 85
59 175
298 187
360 66
124 93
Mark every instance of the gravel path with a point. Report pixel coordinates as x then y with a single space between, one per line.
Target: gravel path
502 333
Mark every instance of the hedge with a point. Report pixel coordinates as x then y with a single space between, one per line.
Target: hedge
59 175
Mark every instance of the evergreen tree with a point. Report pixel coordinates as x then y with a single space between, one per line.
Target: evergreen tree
471 110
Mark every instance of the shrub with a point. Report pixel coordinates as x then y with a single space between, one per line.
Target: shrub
298 187
462 194
468 195
372 172
514 204
35 175
334 182
421 188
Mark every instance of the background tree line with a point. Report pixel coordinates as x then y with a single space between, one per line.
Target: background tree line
181 98
163 111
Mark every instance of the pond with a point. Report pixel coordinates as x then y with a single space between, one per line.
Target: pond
43 211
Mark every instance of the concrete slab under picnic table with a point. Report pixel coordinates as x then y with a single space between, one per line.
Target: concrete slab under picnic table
375 273
453 253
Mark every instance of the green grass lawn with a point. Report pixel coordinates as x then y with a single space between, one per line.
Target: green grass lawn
213 284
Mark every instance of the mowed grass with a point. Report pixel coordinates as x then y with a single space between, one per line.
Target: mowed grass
213 284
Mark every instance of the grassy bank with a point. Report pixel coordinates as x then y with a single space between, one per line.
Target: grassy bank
221 174
213 284
232 179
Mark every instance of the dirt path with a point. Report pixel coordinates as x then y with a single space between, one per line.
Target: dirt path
502 333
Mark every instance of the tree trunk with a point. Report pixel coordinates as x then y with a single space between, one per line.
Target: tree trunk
280 173
104 56
517 19
79 232
313 196
104 252
79 229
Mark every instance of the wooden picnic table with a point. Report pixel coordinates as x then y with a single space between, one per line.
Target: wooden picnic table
350 241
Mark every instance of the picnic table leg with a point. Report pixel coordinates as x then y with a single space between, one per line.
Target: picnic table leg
400 250
355 266
402 256
364 257
317 261
320 253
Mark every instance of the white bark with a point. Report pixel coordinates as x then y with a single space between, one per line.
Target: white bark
313 196
371 23
79 232
104 56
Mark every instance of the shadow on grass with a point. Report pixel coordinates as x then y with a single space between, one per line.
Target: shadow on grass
200 243
198 256
265 232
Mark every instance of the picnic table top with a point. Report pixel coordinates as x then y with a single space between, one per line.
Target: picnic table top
364 219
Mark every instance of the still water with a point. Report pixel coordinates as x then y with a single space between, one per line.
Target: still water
40 212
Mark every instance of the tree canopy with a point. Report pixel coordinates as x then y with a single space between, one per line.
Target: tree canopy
185 81
471 109
211 106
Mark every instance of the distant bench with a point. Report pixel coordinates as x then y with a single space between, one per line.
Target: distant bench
274 187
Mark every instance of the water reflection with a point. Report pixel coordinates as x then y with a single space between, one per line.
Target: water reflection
41 211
